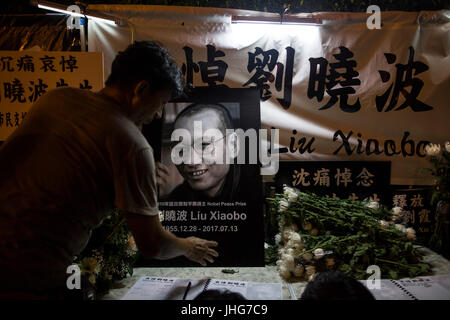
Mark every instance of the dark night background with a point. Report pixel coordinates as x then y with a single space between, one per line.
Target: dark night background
24 7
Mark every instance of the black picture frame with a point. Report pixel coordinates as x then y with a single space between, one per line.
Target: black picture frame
241 242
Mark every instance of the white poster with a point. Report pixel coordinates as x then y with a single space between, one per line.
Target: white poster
26 75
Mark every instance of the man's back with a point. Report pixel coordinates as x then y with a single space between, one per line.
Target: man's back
59 172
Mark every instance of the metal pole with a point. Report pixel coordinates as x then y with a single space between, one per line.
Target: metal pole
82 34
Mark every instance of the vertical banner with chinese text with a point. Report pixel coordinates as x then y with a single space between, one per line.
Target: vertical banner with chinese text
417 212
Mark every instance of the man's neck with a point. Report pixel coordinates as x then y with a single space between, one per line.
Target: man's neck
117 96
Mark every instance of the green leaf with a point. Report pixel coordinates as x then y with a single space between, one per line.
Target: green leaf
393 274
231 271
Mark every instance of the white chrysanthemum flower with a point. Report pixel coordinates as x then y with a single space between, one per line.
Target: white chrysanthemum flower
397 213
411 233
290 252
312 277
307 256
298 245
329 262
89 265
373 205
283 204
290 265
384 224
447 146
266 245
282 222
291 228
277 239
285 273
288 258
318 253
432 149
310 270
279 263
295 237
291 193
92 279
292 197
286 235
298 271
307 226
290 244
400 227
287 189
298 248
132 244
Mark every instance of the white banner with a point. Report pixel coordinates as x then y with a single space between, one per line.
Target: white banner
26 75
336 91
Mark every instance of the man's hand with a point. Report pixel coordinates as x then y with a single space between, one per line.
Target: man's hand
156 242
198 250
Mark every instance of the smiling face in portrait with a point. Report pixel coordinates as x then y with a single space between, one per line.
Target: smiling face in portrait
208 176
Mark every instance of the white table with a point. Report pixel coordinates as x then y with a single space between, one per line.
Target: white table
440 266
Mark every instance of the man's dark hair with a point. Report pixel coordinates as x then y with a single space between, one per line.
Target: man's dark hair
335 286
146 60
214 294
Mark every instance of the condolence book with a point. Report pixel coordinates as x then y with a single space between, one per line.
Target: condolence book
160 288
421 288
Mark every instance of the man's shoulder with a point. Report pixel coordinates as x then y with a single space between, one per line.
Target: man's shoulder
67 91
64 97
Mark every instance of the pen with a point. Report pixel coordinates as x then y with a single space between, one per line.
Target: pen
187 289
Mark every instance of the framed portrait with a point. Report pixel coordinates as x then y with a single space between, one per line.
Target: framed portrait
209 186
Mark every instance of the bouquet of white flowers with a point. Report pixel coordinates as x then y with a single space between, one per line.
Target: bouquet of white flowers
110 253
318 234
440 159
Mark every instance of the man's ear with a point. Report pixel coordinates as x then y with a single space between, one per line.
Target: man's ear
140 87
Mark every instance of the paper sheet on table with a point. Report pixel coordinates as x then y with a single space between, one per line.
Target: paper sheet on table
420 288
426 288
250 290
159 288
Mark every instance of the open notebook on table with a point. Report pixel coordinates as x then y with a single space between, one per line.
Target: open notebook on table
420 288
160 288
